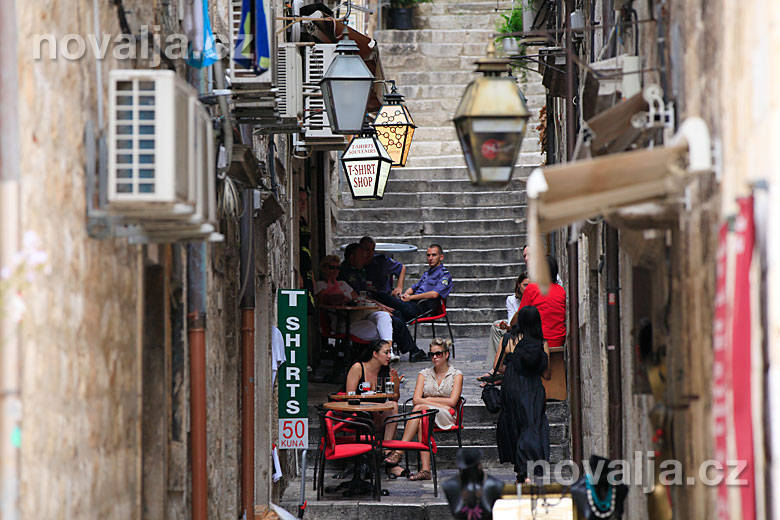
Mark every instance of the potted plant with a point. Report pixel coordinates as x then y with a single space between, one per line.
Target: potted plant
512 23
400 13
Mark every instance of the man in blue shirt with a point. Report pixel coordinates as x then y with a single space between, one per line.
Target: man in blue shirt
381 269
434 283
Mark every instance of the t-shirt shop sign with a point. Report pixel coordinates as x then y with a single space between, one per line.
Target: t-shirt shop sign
293 378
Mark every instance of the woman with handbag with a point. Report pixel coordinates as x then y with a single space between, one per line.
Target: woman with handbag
523 433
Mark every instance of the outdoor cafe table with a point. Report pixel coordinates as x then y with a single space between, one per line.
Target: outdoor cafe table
362 397
344 406
356 486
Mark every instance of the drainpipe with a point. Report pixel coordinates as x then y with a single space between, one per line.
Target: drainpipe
196 334
575 399
10 398
571 120
247 358
614 388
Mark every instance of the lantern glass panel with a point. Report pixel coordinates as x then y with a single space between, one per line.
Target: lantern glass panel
367 167
348 98
491 146
395 128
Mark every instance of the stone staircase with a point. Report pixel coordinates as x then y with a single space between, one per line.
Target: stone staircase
482 229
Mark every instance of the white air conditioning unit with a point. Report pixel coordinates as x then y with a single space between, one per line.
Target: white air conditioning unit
289 82
161 157
149 170
317 132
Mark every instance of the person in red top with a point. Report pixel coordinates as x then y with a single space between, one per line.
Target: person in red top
551 307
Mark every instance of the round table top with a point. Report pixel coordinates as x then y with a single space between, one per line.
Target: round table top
362 397
390 247
343 406
358 307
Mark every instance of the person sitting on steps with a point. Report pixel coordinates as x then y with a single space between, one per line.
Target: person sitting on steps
438 388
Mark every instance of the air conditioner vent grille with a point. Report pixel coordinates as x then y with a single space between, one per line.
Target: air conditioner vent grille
136 133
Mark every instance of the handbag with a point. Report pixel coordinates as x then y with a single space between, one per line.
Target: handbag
491 393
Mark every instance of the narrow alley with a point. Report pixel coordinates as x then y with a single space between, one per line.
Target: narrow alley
255 253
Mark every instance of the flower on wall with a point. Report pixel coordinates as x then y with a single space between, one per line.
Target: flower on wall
21 272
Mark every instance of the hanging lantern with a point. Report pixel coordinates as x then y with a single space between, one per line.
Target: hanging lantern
490 122
394 127
345 88
366 165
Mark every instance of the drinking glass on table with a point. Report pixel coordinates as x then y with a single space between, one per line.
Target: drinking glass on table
389 386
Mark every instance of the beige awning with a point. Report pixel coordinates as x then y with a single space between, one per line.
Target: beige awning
561 194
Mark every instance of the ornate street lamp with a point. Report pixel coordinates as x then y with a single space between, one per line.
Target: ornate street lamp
345 88
490 122
366 165
394 127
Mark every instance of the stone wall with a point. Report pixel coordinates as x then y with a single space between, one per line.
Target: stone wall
88 374
80 334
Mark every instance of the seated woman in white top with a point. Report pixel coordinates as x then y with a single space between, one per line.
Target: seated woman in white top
329 291
500 326
438 387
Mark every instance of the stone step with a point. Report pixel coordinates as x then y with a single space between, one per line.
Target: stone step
435 199
493 300
471 436
432 227
428 180
480 36
429 145
454 242
442 20
439 112
438 85
481 267
444 171
446 132
424 214
483 8
430 51
528 160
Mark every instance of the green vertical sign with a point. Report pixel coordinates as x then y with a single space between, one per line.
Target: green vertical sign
292 306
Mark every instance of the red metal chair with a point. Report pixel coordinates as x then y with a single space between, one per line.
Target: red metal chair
437 313
366 443
427 422
458 419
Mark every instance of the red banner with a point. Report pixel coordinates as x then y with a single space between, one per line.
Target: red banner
731 377
740 354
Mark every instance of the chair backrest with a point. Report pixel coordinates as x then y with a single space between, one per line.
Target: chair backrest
459 411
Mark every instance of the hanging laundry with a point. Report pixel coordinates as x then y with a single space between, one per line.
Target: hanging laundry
277 474
243 54
262 43
277 353
202 47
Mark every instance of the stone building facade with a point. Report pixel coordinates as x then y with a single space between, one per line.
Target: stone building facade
96 369
712 61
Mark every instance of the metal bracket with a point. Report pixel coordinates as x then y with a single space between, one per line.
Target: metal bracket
658 115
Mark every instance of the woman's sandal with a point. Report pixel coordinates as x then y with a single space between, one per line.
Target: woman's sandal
393 476
393 458
421 475
487 376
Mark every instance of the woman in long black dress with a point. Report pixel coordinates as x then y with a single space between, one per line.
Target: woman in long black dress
523 431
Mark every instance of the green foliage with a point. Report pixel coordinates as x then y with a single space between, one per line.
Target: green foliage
395 4
513 22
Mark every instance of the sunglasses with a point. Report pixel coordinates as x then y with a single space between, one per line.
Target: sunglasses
434 354
330 267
